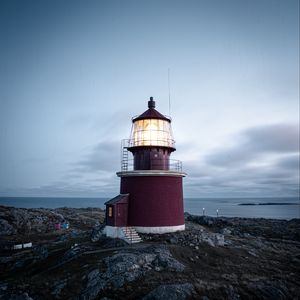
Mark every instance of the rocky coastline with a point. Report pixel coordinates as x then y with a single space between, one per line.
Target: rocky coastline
214 258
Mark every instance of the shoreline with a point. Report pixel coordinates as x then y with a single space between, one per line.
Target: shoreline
189 212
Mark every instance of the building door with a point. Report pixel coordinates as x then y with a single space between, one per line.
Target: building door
122 213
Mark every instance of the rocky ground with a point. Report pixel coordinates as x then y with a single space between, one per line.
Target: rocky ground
214 258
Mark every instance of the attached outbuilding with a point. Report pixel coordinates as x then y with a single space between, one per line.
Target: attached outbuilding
117 211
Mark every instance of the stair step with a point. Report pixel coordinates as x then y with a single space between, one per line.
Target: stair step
131 235
134 242
134 239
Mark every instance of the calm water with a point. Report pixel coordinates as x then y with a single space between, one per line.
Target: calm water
278 208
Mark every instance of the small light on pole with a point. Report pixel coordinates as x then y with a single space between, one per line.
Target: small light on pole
217 212
203 211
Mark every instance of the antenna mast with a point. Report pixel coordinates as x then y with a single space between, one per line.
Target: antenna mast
169 91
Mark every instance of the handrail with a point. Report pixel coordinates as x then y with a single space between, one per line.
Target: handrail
148 142
127 164
174 164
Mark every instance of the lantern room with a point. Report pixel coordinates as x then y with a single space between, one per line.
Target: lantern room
151 129
151 140
152 132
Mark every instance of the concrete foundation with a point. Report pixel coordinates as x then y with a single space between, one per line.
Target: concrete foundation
160 229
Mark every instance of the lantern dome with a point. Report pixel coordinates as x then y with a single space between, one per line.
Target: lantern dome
151 113
151 128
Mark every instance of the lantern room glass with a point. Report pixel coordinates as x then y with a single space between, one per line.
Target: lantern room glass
151 132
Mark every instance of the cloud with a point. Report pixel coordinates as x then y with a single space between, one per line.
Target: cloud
103 157
290 163
274 138
263 162
256 142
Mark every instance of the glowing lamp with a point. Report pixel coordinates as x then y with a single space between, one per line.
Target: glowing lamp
151 132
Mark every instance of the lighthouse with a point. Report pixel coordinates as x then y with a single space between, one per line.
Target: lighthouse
151 193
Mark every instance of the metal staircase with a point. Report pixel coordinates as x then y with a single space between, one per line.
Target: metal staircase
124 155
131 236
124 165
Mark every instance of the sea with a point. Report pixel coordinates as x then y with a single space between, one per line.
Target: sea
272 208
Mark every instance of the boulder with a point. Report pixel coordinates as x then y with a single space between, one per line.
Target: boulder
97 233
225 231
58 287
16 296
94 285
125 267
6 228
40 252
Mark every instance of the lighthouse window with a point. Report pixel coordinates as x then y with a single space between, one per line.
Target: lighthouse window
154 132
110 211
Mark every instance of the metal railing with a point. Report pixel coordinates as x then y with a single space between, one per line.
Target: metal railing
163 142
127 164
174 165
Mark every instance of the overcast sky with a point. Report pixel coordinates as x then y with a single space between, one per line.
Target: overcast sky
73 73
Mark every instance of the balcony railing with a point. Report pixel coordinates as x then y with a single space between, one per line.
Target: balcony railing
127 164
149 142
174 165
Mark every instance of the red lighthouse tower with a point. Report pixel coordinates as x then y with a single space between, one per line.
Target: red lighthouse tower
151 196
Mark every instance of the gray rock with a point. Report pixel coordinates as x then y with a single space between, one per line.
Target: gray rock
202 220
194 237
3 286
273 292
40 252
231 293
209 242
95 284
18 296
59 287
6 228
165 260
173 240
97 233
219 239
171 291
246 235
225 231
126 266
41 220
69 255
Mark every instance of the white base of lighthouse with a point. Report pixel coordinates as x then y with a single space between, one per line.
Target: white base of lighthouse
128 234
114 232
159 229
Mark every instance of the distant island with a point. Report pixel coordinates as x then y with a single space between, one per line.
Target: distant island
269 203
